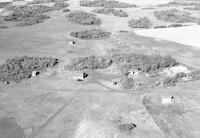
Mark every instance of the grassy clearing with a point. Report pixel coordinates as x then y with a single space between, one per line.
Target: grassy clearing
84 18
91 34
91 62
29 15
176 16
111 11
17 69
106 3
142 22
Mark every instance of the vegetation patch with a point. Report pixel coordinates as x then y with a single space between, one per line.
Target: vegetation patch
106 3
128 83
142 22
175 25
46 1
3 27
193 7
176 16
178 3
66 10
60 5
91 34
109 11
29 15
160 26
143 63
84 18
91 62
17 69
171 81
3 4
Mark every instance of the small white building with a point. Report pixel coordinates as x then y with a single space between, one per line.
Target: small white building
34 73
80 76
71 42
167 99
133 72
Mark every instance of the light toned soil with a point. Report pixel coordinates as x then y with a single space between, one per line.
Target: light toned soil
53 105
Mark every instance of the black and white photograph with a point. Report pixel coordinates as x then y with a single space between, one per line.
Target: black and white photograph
99 68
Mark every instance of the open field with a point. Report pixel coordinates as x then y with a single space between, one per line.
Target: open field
86 74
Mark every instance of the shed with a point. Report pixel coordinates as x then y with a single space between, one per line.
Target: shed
35 73
80 76
167 99
71 42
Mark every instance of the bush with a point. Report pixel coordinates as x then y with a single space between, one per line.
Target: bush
31 21
128 83
171 81
175 25
176 16
108 11
161 26
91 34
46 1
84 18
143 22
194 7
143 63
20 68
94 3
116 4
3 27
60 5
91 62
3 4
29 14
106 3
66 10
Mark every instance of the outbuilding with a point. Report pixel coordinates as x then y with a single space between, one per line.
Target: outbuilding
80 76
167 99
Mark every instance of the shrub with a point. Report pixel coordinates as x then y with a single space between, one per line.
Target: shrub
171 81
46 1
3 4
95 3
116 4
91 62
84 18
143 63
60 5
176 16
128 83
106 3
3 27
193 7
108 11
66 10
161 26
175 25
143 22
91 34
17 69
31 21
29 14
